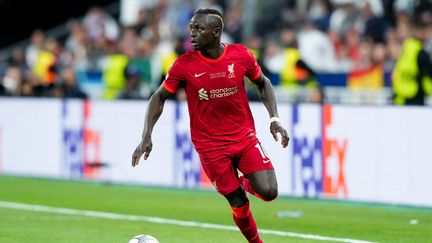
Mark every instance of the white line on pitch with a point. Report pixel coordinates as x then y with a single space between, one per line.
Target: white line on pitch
107 215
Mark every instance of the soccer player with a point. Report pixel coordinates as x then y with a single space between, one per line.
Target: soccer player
221 122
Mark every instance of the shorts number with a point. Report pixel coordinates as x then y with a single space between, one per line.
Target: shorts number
261 150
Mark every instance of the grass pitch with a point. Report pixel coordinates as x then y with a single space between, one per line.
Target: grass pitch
342 220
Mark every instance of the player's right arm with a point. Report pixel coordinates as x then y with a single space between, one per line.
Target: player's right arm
155 107
154 110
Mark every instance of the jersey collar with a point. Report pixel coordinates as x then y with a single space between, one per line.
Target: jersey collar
217 59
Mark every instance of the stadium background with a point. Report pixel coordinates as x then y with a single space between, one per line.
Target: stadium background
348 143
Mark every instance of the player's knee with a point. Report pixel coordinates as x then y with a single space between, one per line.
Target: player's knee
237 198
269 194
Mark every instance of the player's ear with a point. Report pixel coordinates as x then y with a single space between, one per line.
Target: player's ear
217 31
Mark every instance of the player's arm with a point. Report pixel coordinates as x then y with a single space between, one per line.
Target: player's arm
266 93
154 110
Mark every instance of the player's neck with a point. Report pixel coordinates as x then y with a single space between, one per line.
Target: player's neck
213 52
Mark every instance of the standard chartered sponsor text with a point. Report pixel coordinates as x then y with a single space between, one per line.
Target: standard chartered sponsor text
223 92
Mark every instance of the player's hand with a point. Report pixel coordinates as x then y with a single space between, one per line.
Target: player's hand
144 147
275 128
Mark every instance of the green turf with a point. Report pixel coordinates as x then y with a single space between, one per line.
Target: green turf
327 218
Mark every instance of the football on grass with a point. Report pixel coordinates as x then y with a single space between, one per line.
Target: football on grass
143 239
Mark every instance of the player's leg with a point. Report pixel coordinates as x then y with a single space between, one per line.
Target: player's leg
263 184
259 176
242 215
223 176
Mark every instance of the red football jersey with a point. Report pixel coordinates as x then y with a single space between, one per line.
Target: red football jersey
216 95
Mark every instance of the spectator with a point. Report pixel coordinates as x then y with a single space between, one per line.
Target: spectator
77 44
320 12
233 21
273 61
295 72
131 91
375 26
46 63
69 86
17 59
99 25
316 49
345 17
142 64
36 45
412 76
11 83
114 73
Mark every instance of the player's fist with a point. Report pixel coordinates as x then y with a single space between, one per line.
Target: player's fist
275 128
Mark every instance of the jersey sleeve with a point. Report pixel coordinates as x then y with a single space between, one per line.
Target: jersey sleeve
174 77
253 70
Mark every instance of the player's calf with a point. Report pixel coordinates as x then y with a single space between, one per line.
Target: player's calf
242 215
244 220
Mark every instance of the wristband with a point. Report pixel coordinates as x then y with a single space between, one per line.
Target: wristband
274 119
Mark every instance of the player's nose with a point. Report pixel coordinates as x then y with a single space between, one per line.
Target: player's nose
193 33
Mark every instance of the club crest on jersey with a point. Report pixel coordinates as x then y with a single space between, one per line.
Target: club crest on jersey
203 94
231 71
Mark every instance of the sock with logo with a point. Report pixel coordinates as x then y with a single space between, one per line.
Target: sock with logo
245 222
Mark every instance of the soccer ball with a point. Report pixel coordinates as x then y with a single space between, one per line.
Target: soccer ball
143 239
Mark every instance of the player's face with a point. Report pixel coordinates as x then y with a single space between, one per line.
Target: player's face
202 34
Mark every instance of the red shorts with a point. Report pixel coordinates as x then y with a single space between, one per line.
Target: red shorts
221 165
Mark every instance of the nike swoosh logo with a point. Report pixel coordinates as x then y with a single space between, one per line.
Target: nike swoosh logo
266 161
199 74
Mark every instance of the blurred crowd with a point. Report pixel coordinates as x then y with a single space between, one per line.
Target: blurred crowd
293 40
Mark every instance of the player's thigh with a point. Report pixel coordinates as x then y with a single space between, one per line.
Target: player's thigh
263 182
254 158
221 172
257 167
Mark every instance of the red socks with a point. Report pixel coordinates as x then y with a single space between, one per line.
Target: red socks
245 222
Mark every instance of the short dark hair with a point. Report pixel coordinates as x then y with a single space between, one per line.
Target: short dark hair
214 13
208 11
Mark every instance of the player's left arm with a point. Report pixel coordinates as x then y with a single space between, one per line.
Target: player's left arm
266 93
